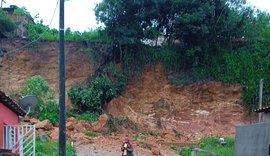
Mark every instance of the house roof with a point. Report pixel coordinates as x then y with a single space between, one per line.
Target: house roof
11 8
264 109
8 102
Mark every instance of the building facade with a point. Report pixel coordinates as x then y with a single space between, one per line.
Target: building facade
9 114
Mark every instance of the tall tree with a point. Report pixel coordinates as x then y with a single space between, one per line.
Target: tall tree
122 19
202 26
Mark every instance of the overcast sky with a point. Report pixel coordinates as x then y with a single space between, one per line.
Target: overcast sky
79 14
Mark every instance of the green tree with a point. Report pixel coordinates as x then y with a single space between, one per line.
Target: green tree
129 21
122 19
257 28
202 26
205 27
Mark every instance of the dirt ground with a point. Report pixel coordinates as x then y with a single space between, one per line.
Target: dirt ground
110 146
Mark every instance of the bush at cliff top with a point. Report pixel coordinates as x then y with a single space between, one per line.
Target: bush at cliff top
43 32
6 25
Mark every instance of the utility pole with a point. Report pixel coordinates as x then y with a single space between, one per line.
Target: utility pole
62 104
260 100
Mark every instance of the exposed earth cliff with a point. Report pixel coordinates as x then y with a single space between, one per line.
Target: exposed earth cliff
192 111
175 115
19 63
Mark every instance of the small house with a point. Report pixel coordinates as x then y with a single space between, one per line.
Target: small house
9 114
13 136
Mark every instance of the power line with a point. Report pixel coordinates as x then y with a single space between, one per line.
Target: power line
29 43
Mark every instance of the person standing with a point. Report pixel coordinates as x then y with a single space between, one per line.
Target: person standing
127 149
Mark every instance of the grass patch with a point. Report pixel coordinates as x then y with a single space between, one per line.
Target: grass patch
86 116
210 145
139 137
50 148
121 121
90 134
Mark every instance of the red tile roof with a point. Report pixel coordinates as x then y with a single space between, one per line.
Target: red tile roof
8 102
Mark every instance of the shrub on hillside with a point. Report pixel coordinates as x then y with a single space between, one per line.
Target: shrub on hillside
246 66
6 24
47 106
101 89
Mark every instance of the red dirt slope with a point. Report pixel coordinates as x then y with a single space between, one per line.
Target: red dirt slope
192 111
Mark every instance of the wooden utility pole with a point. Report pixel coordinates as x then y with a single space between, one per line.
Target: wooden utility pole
260 100
62 104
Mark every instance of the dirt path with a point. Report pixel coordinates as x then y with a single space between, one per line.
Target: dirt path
110 146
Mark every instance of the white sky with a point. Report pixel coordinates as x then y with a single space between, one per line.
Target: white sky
79 14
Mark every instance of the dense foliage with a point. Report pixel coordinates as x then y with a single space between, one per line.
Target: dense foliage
6 24
43 32
202 27
224 40
47 106
39 31
190 21
249 63
101 89
22 12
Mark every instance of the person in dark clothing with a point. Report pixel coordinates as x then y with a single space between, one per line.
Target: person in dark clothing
127 149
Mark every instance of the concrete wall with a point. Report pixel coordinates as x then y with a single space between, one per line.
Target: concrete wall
266 117
252 140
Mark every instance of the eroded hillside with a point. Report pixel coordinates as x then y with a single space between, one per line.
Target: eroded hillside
199 109
193 111
175 115
20 62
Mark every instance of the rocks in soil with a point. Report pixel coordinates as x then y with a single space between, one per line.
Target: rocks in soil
100 124
45 124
